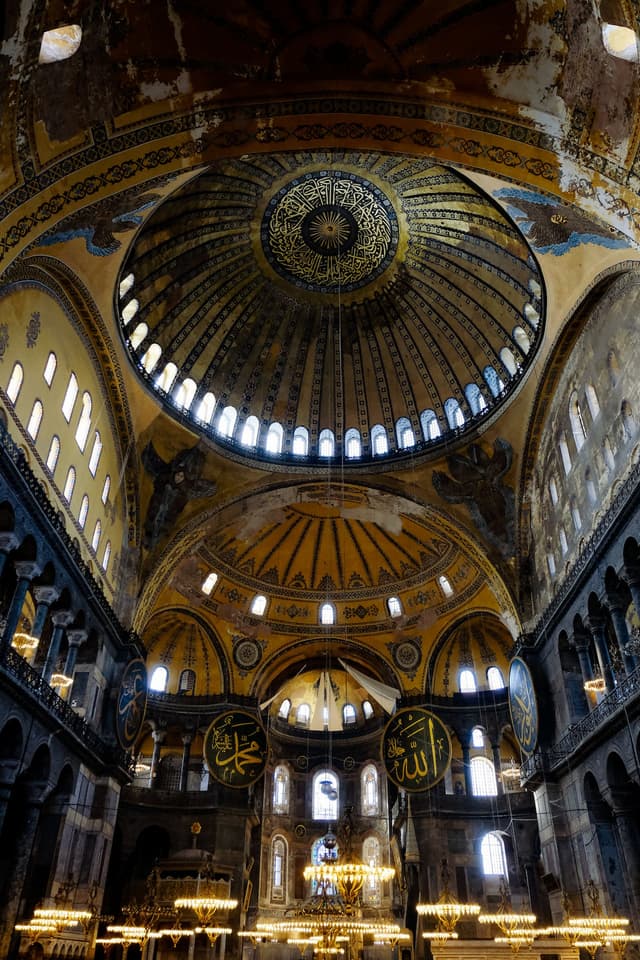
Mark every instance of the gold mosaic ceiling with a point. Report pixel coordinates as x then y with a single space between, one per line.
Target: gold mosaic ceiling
336 291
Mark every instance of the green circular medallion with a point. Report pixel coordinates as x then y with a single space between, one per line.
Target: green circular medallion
416 749
235 748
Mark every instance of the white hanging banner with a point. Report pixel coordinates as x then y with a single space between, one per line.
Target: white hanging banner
383 694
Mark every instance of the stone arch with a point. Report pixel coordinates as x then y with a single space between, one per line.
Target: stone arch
572 679
609 862
11 741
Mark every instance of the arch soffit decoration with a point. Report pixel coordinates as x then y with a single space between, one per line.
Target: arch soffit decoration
208 629
479 617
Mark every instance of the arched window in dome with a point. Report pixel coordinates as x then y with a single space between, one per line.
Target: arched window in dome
404 433
467 681
166 379
483 778
620 42
106 556
430 425
33 426
159 679
60 43
379 441
445 585
349 716
521 339
84 510
15 382
575 514
106 488
326 443
369 791
84 423
592 400
394 606
227 421
494 860
327 614
278 869
367 709
300 446
326 795
607 452
258 605
54 453
96 451
129 311
628 420
495 680
285 709
371 856
125 285
150 357
352 444
553 490
281 789
97 533
493 381
207 405
249 435
477 738
576 421
303 715
209 583
564 544
69 484
551 563
531 315
187 681
563 446
509 361
185 394
273 441
453 413
138 336
590 486
50 369
475 399
70 397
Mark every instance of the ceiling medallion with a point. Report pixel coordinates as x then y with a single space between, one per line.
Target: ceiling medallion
329 230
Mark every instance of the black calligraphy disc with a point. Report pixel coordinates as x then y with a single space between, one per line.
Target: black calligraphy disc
235 748
131 703
416 749
523 705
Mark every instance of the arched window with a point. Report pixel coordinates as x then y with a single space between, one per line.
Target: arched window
577 423
60 43
483 778
106 488
165 380
564 544
138 336
453 413
620 42
33 426
404 433
106 556
129 311
369 791
321 853
326 796
97 533
300 447
227 421
592 400
125 285
493 381
575 514
84 510
349 716
467 681
50 369
475 399
54 453
281 789
249 435
379 441
445 586
430 425
521 339
206 407
278 868
551 563
327 614
494 861
151 357
607 452
326 443
84 422
352 444
159 679
628 420
185 393
394 606
367 709
477 738
273 442
96 451
15 382
564 453
531 315
303 714
285 709
69 484
70 397
187 681
553 491
590 486
209 583
258 605
495 679
371 856
509 361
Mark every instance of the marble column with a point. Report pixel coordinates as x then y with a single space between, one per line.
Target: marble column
19 869
581 644
627 829
631 576
158 739
61 620
597 625
466 764
617 608
26 570
184 767
44 597
75 639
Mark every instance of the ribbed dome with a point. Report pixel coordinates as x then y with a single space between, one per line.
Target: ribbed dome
330 304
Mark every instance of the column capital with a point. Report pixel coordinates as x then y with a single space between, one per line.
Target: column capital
8 541
580 639
158 736
47 595
595 623
62 618
187 738
630 573
76 637
27 569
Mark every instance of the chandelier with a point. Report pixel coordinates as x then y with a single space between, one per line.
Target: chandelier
446 909
24 643
204 907
506 919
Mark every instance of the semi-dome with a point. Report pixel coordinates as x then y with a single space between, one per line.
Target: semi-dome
331 304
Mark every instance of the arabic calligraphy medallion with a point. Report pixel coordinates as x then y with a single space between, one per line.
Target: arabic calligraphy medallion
523 705
416 749
235 748
131 703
